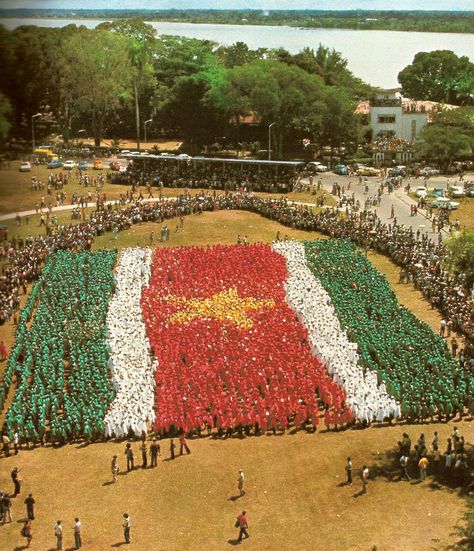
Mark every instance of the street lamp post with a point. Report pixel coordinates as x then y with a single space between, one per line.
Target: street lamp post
33 128
270 140
144 128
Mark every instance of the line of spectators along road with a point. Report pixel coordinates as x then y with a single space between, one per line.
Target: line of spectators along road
419 257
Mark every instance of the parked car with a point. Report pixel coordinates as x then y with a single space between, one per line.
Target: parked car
363 170
456 191
134 153
98 165
470 191
315 166
421 191
341 169
69 165
55 164
445 204
115 165
25 166
123 154
429 171
83 165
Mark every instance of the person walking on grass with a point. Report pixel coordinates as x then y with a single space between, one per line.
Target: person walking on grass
183 444
240 482
242 524
349 471
27 532
126 527
154 452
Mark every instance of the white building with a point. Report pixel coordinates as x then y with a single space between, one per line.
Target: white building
390 115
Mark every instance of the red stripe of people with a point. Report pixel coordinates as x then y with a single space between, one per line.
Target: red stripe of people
215 369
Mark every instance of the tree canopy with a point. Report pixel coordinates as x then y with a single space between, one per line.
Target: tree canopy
439 76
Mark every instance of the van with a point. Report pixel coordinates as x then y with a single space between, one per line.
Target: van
45 154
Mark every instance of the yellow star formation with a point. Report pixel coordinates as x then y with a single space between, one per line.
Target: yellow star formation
223 306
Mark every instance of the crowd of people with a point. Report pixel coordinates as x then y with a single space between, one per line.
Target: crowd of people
219 367
421 259
60 357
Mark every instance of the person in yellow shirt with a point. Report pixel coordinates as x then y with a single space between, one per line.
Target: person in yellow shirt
423 465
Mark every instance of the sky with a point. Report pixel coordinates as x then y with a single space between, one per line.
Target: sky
451 5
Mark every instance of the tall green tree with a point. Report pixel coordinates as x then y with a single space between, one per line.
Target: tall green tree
461 256
140 47
5 110
439 76
100 75
448 138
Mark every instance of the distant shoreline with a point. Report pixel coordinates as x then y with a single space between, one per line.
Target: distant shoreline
365 20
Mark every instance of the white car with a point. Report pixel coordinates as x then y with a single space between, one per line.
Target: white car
421 191
25 166
315 166
69 165
429 171
184 156
123 153
134 153
445 203
456 191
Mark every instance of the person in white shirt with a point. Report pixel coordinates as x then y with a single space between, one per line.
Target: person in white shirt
77 533
58 532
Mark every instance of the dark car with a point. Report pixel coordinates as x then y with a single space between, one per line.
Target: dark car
55 164
83 165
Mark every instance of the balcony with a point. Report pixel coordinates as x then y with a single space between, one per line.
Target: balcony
385 102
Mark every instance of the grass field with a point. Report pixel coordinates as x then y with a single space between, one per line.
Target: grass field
16 194
294 501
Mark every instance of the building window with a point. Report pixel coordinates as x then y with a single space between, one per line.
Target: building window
386 119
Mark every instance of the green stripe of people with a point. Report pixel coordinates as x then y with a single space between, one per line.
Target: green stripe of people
412 361
61 358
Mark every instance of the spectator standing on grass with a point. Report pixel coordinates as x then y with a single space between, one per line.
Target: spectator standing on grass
240 482
15 474
423 465
144 450
114 468
126 527
129 454
7 508
242 525
404 467
58 532
30 507
77 533
349 471
172 448
154 452
183 445
365 478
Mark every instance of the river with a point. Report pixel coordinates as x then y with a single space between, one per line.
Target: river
375 56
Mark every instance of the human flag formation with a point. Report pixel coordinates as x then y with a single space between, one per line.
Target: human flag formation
223 336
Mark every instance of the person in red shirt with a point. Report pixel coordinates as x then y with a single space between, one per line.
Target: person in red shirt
242 524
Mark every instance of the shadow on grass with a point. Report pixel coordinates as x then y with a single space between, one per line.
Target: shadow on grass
234 498
119 544
108 483
234 542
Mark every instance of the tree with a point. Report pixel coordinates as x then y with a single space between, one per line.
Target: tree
449 138
5 109
276 93
99 75
461 256
439 76
140 50
340 125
